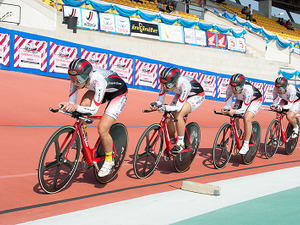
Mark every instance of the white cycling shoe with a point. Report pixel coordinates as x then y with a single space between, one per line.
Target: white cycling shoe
295 132
106 168
244 149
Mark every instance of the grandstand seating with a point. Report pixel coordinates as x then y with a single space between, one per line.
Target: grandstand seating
268 23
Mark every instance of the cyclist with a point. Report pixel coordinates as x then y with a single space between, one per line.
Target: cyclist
248 102
286 98
189 96
103 86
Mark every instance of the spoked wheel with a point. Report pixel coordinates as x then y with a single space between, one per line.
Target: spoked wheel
291 145
255 138
148 151
119 135
54 171
272 139
223 146
183 161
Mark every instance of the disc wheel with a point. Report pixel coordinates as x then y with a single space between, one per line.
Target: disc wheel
255 138
291 145
272 139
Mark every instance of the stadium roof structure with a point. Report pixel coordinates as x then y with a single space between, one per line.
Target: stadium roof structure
288 5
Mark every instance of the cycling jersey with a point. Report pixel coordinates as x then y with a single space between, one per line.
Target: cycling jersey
107 86
249 95
186 90
291 96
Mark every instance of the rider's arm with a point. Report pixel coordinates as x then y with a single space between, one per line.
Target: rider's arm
276 97
247 100
73 94
291 93
229 97
184 87
100 86
161 96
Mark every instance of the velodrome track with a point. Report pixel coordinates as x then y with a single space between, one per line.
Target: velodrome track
26 124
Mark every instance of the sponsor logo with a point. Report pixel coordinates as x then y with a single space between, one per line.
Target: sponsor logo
30 47
122 23
146 68
211 40
107 20
63 53
222 42
121 63
144 28
94 59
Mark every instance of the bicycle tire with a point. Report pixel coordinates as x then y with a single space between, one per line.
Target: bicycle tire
272 139
292 144
54 173
119 135
183 161
221 155
251 154
145 158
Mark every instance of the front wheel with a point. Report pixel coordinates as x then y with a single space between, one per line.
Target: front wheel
55 171
148 151
119 135
183 161
223 146
255 140
291 145
272 139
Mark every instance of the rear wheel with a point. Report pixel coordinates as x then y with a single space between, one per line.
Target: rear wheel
183 161
148 151
223 146
119 135
54 171
272 139
255 138
291 145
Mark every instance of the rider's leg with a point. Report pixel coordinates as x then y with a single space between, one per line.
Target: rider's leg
171 129
291 117
87 101
248 116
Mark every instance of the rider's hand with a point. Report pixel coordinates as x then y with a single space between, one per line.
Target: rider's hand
273 107
69 107
153 106
232 112
63 105
224 111
278 108
162 108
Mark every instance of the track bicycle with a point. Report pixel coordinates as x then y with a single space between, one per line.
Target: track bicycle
276 135
228 141
60 156
150 147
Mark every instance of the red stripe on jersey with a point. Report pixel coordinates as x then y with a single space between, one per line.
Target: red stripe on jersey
72 93
96 103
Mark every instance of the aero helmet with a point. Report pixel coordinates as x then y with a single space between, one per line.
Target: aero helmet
237 81
281 83
80 68
169 76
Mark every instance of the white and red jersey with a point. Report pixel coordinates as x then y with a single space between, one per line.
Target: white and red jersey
106 84
291 95
186 87
248 94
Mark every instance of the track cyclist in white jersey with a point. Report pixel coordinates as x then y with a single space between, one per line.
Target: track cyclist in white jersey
103 86
248 102
287 98
189 96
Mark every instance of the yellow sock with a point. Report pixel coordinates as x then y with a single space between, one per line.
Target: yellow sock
108 156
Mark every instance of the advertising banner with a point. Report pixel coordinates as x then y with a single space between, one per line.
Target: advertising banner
29 53
122 66
122 25
107 22
98 60
221 41
201 37
142 28
90 19
268 92
212 39
189 36
4 49
146 74
222 86
60 57
171 33
231 43
189 74
241 44
73 12
259 86
208 82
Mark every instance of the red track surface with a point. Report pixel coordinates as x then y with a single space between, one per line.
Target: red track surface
25 102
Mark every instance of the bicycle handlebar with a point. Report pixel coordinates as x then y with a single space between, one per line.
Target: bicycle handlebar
165 113
75 114
273 110
235 115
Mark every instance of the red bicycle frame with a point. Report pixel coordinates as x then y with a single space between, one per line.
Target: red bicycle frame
168 142
283 133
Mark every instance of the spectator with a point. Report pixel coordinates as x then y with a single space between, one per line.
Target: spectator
202 3
289 25
160 6
169 8
251 14
174 3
